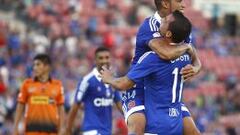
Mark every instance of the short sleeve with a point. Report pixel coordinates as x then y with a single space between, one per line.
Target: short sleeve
81 91
117 96
149 30
146 65
23 94
60 98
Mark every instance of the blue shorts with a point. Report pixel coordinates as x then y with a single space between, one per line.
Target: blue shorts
133 100
164 121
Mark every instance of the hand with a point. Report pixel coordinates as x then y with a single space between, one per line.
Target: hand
189 71
106 75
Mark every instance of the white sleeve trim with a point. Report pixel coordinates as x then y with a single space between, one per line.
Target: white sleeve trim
144 56
133 110
184 108
91 132
82 88
153 24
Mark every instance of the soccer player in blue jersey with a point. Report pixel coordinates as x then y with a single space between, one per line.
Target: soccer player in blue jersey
149 38
97 99
163 82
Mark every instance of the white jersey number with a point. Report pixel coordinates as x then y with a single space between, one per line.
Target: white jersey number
174 87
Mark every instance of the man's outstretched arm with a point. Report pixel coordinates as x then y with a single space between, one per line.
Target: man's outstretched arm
122 83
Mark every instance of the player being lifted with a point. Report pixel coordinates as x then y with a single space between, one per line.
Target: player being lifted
97 99
162 81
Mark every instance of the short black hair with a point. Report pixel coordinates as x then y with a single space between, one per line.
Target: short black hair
158 4
44 58
101 49
181 27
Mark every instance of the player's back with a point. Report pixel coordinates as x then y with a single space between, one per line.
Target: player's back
167 80
163 94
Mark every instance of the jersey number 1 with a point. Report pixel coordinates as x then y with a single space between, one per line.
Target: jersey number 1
174 87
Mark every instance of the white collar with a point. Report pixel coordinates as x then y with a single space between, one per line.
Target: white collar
157 16
96 74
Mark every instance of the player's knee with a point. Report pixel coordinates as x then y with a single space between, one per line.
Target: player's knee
135 128
136 124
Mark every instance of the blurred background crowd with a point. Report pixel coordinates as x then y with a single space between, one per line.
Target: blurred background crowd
70 30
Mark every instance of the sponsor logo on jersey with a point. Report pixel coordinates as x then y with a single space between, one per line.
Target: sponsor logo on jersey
173 112
39 100
102 102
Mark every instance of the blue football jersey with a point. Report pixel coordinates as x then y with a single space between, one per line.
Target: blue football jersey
163 85
98 99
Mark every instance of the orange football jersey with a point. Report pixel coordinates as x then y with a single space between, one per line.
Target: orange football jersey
42 100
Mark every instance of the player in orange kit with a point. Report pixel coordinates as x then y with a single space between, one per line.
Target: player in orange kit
42 99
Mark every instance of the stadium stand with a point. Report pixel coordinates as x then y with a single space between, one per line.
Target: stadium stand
70 30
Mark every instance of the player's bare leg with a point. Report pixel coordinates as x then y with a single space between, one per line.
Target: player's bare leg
189 127
136 124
